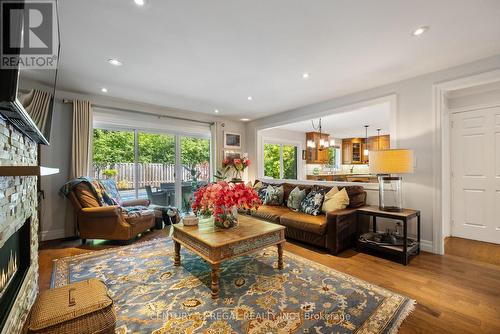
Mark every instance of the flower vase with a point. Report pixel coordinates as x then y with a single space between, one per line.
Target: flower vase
237 177
227 219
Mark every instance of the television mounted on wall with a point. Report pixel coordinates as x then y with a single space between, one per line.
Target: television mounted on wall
29 55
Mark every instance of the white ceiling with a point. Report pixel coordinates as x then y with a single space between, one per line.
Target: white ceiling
206 55
350 124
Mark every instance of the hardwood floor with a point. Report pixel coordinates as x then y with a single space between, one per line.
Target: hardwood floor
472 249
453 294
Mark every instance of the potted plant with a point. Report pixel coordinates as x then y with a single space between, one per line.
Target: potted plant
222 201
110 173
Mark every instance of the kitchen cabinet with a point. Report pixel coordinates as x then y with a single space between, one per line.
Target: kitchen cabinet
379 143
353 149
316 155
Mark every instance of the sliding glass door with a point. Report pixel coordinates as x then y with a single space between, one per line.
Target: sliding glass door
195 164
165 168
156 168
113 157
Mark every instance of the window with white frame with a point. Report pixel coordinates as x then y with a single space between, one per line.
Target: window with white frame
280 160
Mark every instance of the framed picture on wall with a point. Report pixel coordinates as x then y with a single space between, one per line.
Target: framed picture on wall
232 140
231 155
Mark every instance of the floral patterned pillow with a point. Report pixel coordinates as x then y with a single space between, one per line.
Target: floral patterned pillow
295 198
311 204
274 195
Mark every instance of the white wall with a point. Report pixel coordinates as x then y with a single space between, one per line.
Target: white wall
415 123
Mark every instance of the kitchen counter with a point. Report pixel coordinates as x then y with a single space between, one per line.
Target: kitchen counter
343 177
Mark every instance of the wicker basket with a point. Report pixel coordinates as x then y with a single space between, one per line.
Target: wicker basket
82 307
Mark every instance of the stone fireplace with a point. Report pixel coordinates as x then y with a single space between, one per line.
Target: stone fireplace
18 230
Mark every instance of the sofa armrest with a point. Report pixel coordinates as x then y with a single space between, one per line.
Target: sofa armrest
341 229
136 202
102 211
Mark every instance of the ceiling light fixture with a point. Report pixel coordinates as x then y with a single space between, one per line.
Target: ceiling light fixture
420 30
139 2
104 90
305 75
249 98
115 62
216 111
245 119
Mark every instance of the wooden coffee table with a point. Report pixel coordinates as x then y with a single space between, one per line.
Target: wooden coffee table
217 245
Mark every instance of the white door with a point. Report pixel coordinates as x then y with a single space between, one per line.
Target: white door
475 167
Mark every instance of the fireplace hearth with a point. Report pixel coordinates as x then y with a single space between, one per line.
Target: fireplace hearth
14 264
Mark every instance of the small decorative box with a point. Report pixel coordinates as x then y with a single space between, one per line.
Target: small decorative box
190 220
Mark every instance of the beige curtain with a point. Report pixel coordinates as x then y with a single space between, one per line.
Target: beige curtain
37 104
82 129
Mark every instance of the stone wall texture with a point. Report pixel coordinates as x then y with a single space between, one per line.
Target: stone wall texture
18 202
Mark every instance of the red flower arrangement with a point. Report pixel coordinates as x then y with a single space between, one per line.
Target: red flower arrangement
239 165
219 199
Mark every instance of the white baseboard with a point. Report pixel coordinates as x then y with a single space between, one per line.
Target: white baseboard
426 246
53 234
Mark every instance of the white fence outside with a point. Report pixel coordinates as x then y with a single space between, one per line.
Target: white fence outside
149 174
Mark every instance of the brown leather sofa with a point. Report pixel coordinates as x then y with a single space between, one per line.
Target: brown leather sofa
108 222
335 231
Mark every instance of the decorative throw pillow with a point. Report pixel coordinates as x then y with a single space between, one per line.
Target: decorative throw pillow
311 204
337 201
295 198
261 191
274 195
331 192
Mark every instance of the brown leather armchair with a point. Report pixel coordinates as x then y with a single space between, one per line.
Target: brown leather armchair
108 222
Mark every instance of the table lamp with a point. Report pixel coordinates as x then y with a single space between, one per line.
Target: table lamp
387 162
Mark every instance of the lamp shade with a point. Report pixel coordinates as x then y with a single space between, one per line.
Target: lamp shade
391 161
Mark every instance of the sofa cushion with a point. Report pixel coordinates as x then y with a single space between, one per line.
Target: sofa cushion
305 222
269 212
85 196
357 196
274 195
338 200
295 198
312 203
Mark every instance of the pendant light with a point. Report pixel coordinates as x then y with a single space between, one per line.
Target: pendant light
365 152
323 144
378 139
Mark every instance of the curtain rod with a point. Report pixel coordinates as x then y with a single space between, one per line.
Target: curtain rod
145 113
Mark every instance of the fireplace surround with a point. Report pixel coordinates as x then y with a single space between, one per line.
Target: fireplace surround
18 222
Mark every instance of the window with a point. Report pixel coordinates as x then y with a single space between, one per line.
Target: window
334 157
145 164
280 161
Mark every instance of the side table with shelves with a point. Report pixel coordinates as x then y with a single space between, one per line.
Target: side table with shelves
409 248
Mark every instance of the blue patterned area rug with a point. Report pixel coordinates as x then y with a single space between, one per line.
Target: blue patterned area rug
153 296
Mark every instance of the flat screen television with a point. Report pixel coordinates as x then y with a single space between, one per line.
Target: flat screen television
19 79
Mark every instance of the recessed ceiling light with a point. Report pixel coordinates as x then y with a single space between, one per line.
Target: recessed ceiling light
140 2
249 98
245 119
104 90
420 30
216 111
305 75
115 62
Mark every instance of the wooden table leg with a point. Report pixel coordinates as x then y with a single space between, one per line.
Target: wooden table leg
215 280
177 255
280 256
